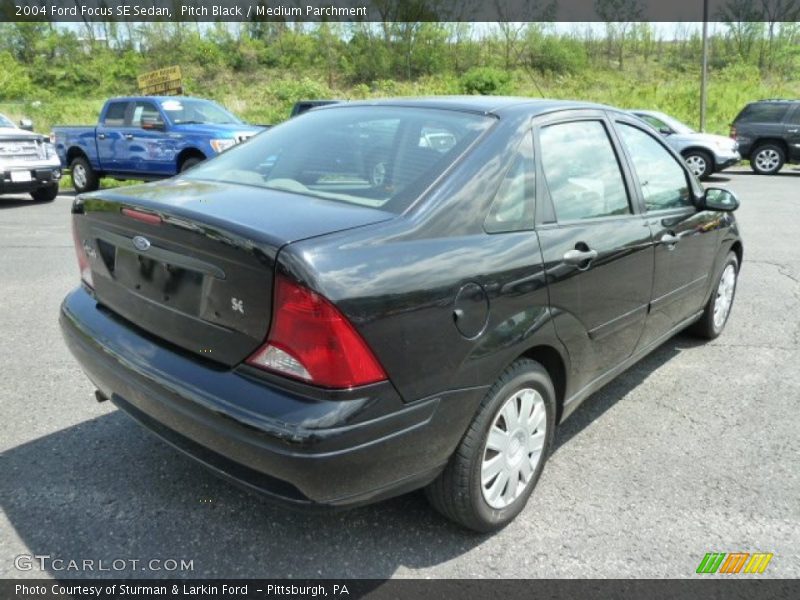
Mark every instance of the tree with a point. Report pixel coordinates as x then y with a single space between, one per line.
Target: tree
618 15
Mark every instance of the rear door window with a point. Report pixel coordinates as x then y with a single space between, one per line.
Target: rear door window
115 114
582 171
763 112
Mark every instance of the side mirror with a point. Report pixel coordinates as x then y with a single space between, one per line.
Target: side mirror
665 131
719 199
153 124
26 124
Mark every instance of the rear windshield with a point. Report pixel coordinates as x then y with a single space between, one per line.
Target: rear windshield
376 156
763 112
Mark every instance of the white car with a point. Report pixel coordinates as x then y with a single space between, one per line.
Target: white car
704 153
28 163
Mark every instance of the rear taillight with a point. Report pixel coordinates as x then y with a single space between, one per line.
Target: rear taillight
312 341
81 250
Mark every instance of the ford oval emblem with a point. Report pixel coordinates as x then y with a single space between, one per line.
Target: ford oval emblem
141 243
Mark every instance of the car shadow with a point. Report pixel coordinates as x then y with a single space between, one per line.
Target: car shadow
107 489
716 178
16 201
20 200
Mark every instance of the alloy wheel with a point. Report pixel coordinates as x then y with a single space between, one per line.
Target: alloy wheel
724 300
767 160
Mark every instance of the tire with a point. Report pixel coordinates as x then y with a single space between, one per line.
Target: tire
700 163
767 159
84 178
190 162
45 194
716 313
459 492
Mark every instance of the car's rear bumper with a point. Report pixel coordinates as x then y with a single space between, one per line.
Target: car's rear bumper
339 450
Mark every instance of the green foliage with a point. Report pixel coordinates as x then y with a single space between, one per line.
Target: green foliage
485 81
62 75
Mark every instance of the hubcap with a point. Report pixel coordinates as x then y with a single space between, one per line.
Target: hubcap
79 175
513 448
767 160
696 164
725 289
379 174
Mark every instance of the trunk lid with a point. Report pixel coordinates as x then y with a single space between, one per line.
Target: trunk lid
192 262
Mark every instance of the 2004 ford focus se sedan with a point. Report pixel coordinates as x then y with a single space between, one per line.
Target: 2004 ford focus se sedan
378 297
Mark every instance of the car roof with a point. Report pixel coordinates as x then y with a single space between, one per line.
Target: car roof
495 105
155 98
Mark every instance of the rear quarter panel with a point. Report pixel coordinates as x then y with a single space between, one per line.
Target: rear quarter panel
398 281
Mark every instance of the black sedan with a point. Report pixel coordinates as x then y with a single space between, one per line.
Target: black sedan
382 296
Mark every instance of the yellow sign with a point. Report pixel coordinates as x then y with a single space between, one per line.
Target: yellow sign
166 81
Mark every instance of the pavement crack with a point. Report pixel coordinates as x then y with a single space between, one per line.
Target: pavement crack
783 269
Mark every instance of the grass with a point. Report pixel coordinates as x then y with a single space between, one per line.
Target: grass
266 96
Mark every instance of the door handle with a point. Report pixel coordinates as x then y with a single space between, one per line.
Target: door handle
101 136
793 130
577 257
669 239
128 136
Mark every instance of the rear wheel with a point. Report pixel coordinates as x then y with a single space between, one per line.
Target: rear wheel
718 307
84 178
45 194
494 469
700 163
767 159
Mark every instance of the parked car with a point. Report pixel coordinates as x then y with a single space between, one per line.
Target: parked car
705 153
333 341
28 163
305 105
147 137
768 134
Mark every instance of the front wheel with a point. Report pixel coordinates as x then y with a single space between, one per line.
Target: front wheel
84 178
699 163
190 162
493 471
718 307
45 194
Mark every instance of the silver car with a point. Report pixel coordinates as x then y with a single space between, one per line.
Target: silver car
704 153
28 163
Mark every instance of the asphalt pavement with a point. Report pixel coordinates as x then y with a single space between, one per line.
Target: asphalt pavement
693 450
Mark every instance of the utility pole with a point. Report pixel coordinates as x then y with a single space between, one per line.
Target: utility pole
704 75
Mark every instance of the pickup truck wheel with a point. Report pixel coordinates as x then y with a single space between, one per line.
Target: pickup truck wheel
84 179
767 159
494 469
699 163
45 194
718 307
190 162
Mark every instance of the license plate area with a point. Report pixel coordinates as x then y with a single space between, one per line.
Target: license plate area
176 287
20 176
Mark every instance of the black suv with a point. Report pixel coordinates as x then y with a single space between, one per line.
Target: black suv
768 132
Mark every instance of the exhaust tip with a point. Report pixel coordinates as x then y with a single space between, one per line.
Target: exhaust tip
100 396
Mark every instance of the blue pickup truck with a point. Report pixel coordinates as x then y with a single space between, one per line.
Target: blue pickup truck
147 137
